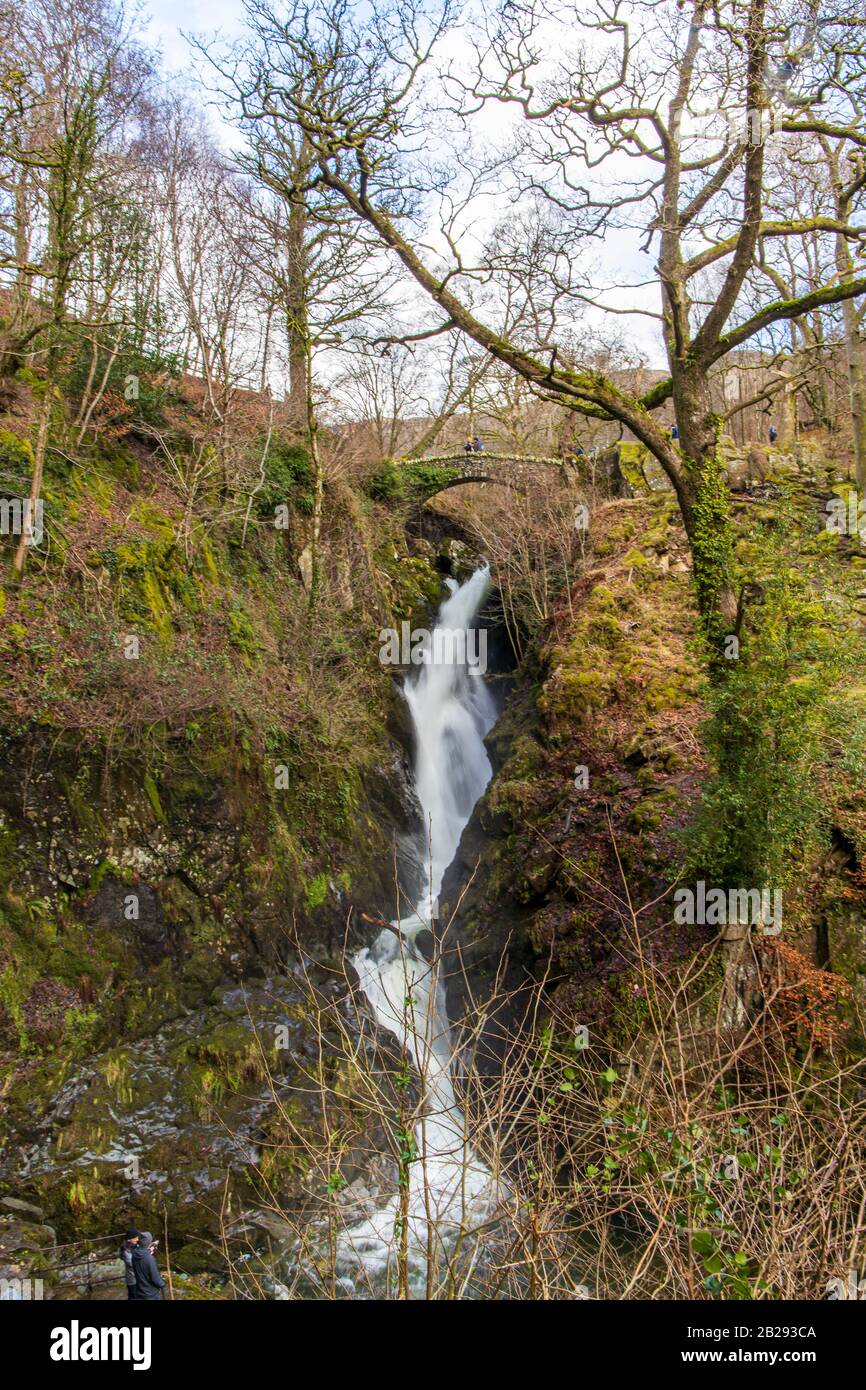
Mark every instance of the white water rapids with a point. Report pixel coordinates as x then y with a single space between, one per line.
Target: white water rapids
449 1188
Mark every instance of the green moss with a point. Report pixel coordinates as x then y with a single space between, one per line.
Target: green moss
414 585
646 815
317 891
619 649
28 377
617 536
82 803
605 630
93 488
633 457
289 478
152 795
242 634
220 1063
635 559
208 560
151 518
14 989
16 453
711 543
573 695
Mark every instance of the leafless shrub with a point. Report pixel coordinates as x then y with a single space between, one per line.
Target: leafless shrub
680 1163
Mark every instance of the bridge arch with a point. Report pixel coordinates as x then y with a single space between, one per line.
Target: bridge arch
421 479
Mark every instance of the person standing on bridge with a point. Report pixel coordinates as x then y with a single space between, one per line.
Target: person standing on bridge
477 445
468 447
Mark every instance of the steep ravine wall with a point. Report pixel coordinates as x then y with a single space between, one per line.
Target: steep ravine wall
162 879
566 870
164 890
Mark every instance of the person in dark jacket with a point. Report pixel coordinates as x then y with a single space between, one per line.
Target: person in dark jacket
149 1283
130 1241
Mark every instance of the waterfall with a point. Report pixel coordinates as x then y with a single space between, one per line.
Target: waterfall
449 1188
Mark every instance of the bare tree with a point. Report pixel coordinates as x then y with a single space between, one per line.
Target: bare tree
74 77
847 171
649 117
319 269
406 395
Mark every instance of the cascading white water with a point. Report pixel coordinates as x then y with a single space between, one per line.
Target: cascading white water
451 712
449 1189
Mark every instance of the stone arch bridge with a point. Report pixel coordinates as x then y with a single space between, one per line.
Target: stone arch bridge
418 480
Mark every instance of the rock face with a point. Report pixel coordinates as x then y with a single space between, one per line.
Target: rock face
140 1060
566 869
27 1255
156 861
26 1209
305 568
745 467
595 768
613 480
158 1124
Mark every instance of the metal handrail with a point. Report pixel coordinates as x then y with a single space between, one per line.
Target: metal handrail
90 1240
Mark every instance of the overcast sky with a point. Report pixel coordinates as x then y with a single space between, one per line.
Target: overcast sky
169 17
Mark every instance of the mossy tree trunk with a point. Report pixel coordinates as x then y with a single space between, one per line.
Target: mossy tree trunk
318 479
71 163
28 528
297 327
705 508
855 361
788 412
845 190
